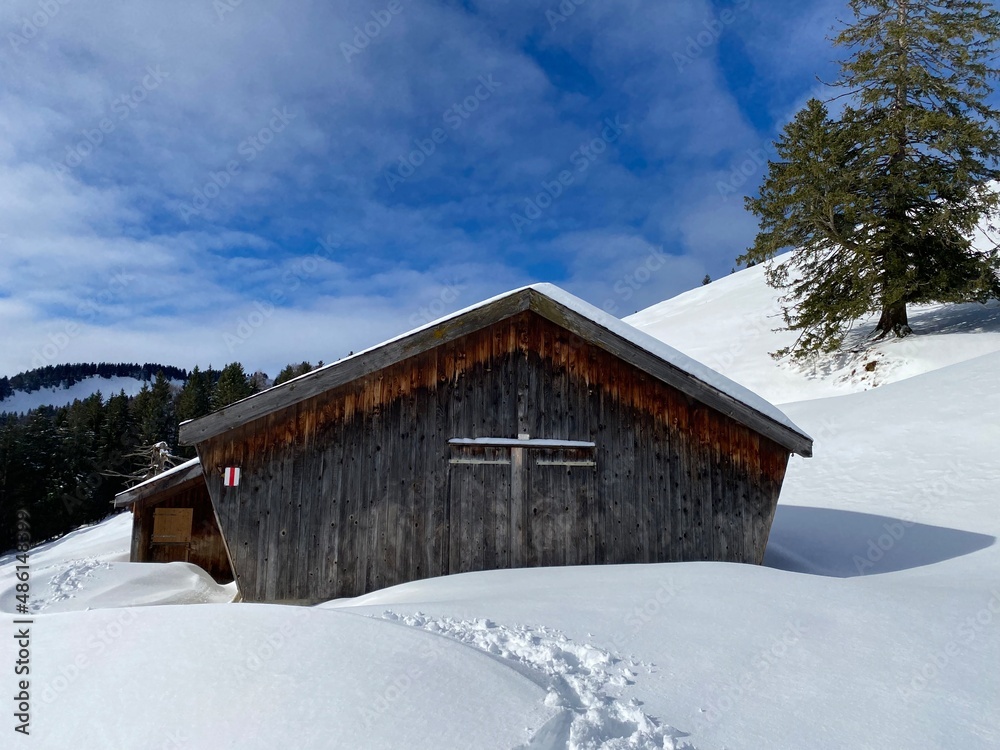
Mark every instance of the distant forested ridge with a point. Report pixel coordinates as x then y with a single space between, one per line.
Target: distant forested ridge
63 376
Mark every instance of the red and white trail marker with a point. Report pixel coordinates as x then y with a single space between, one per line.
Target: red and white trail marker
231 476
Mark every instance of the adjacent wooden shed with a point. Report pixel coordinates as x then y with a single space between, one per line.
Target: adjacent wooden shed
532 429
173 520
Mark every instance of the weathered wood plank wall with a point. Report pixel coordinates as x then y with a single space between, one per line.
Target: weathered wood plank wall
355 489
206 550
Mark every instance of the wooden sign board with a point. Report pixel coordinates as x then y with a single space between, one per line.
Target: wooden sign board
172 525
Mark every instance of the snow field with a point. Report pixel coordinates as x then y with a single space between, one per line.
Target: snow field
264 676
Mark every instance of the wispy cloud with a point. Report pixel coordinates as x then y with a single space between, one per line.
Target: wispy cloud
230 161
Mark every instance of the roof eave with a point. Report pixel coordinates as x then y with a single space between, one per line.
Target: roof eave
351 368
150 488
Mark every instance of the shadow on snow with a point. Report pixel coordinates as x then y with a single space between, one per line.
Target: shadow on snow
843 544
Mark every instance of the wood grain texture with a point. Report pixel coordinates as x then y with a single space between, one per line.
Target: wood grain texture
358 487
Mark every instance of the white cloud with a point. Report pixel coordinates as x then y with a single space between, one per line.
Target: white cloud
149 105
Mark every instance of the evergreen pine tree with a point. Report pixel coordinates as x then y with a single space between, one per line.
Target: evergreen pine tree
195 399
76 475
163 410
153 412
9 476
233 385
117 440
292 371
34 475
882 201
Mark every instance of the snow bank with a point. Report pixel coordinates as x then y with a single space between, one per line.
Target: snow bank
89 569
259 676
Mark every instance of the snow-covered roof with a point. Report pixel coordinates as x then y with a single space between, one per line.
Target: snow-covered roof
162 481
668 354
731 398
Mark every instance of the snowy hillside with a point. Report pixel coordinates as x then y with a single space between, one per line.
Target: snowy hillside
730 325
21 401
875 623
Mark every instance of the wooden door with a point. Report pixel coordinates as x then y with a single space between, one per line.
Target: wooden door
512 506
171 539
478 509
561 500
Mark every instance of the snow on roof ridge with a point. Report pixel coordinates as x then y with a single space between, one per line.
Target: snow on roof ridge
664 351
630 333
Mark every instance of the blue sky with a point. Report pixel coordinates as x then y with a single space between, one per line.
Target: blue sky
199 182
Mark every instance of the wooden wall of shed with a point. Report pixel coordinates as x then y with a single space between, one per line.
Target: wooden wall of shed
348 492
206 550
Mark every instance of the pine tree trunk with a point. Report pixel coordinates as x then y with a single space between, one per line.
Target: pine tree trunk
894 321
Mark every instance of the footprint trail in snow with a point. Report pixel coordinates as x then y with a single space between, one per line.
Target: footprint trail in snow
67 582
580 680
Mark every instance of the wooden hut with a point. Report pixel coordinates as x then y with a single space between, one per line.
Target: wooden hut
173 520
532 429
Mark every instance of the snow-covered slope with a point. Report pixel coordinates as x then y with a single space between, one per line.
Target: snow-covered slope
21 401
875 624
89 568
731 326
